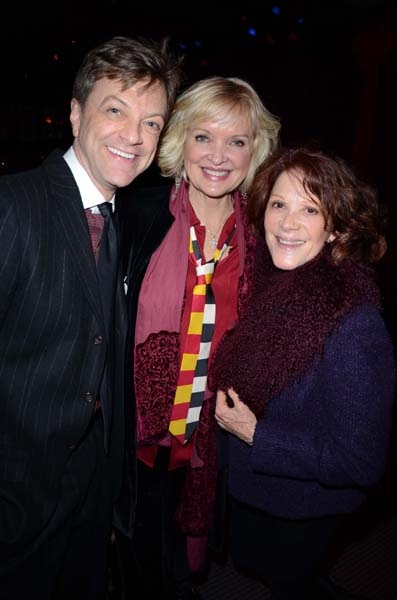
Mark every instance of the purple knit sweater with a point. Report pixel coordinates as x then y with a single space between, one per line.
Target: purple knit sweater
322 436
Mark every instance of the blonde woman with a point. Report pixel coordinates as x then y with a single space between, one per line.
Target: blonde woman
218 134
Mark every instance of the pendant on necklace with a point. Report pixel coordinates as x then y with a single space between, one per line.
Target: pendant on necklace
213 242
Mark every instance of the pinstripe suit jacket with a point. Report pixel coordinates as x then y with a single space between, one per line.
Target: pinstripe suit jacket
52 346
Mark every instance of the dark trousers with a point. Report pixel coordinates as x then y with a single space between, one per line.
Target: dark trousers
155 560
286 554
70 561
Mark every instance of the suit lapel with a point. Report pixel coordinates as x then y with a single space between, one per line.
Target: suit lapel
70 221
145 219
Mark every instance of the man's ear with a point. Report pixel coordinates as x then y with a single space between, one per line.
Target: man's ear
75 113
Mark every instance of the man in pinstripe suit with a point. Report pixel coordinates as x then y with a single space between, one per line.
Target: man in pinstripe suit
61 449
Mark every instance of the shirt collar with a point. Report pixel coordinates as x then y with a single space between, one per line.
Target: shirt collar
90 195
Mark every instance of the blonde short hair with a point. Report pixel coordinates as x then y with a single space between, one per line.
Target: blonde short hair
211 98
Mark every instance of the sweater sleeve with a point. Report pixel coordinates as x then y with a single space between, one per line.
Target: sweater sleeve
334 425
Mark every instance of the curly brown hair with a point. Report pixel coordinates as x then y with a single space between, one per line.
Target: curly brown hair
351 207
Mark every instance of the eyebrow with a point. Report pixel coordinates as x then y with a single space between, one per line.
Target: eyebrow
113 98
204 130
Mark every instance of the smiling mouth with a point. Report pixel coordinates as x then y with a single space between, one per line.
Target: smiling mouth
120 153
283 242
215 173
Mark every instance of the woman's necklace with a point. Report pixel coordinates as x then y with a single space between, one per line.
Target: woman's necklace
214 237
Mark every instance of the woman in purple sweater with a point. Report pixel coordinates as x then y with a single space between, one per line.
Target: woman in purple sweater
306 379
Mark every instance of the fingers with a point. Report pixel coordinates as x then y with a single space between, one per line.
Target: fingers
225 401
233 395
220 396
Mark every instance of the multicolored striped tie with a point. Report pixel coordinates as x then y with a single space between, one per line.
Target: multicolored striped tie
194 365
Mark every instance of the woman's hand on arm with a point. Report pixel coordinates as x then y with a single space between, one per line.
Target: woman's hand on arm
235 416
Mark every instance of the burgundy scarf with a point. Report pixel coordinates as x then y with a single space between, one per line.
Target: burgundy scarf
157 356
289 318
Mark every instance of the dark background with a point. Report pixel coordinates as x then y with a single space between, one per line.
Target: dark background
327 68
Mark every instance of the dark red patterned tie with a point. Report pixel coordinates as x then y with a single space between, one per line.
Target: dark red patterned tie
95 226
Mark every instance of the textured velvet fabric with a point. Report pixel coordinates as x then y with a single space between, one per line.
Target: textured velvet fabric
312 357
289 318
